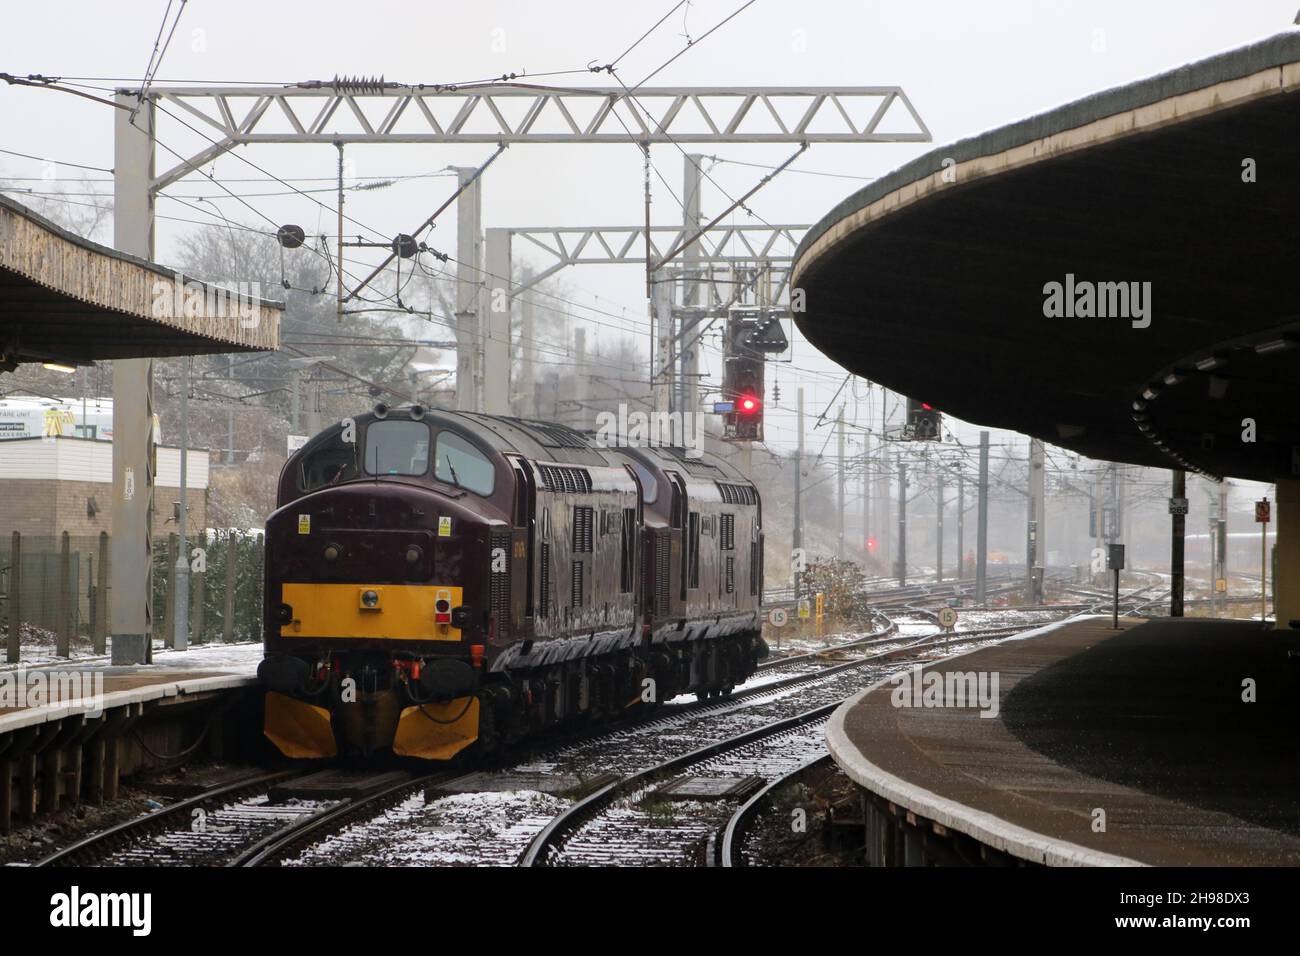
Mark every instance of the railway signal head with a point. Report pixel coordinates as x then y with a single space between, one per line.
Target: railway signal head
754 335
742 386
924 422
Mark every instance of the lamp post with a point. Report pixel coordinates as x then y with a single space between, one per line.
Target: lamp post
181 606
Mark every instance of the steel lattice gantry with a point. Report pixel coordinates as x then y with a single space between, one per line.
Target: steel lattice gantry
727 265
360 112
626 245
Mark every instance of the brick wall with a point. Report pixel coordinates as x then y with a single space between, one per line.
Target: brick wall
26 506
51 507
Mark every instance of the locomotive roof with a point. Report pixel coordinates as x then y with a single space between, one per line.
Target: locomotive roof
534 440
552 442
707 466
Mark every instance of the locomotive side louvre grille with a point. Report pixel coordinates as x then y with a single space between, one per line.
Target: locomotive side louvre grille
661 577
734 494
556 436
753 567
565 479
728 535
544 599
694 465
648 593
693 530
576 595
583 529
731 574
499 583
627 563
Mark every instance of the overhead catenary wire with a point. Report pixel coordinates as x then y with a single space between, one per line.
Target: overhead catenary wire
573 303
58 162
323 206
643 36
156 57
692 44
347 273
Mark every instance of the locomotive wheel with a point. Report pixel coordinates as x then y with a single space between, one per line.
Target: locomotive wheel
488 740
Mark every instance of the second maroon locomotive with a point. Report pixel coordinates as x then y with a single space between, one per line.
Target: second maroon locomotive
438 579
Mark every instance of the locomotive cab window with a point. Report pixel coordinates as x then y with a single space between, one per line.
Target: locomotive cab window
459 463
397 448
332 460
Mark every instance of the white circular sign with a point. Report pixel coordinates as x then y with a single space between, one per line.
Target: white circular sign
777 617
947 617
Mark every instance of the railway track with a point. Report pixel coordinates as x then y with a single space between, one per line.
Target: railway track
280 846
879 592
500 812
492 819
235 824
941 640
414 821
731 850
679 811
636 820
620 823
239 824
208 829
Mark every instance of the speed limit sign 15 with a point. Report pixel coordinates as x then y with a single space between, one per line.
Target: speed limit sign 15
778 617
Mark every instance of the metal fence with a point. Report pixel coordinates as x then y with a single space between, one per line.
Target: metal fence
55 596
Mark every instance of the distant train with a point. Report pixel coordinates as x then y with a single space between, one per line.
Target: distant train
30 416
439 579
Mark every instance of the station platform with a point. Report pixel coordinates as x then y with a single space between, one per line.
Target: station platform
71 730
1146 725
91 684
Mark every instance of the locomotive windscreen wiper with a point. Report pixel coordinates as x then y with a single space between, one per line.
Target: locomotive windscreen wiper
455 479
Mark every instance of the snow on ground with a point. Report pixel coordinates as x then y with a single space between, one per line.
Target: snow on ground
239 657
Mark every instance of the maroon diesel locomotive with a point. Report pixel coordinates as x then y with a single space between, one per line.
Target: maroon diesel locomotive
436 579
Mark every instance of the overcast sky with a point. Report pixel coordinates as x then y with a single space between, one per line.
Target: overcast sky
966 66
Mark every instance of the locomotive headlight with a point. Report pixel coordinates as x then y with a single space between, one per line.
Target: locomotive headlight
412 554
370 599
442 608
331 552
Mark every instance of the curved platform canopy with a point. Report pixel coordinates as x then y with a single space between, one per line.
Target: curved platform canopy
66 300
1117 276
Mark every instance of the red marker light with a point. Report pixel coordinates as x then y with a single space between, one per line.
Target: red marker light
927 406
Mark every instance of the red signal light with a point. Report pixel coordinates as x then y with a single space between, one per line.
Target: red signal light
927 406
871 544
748 405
